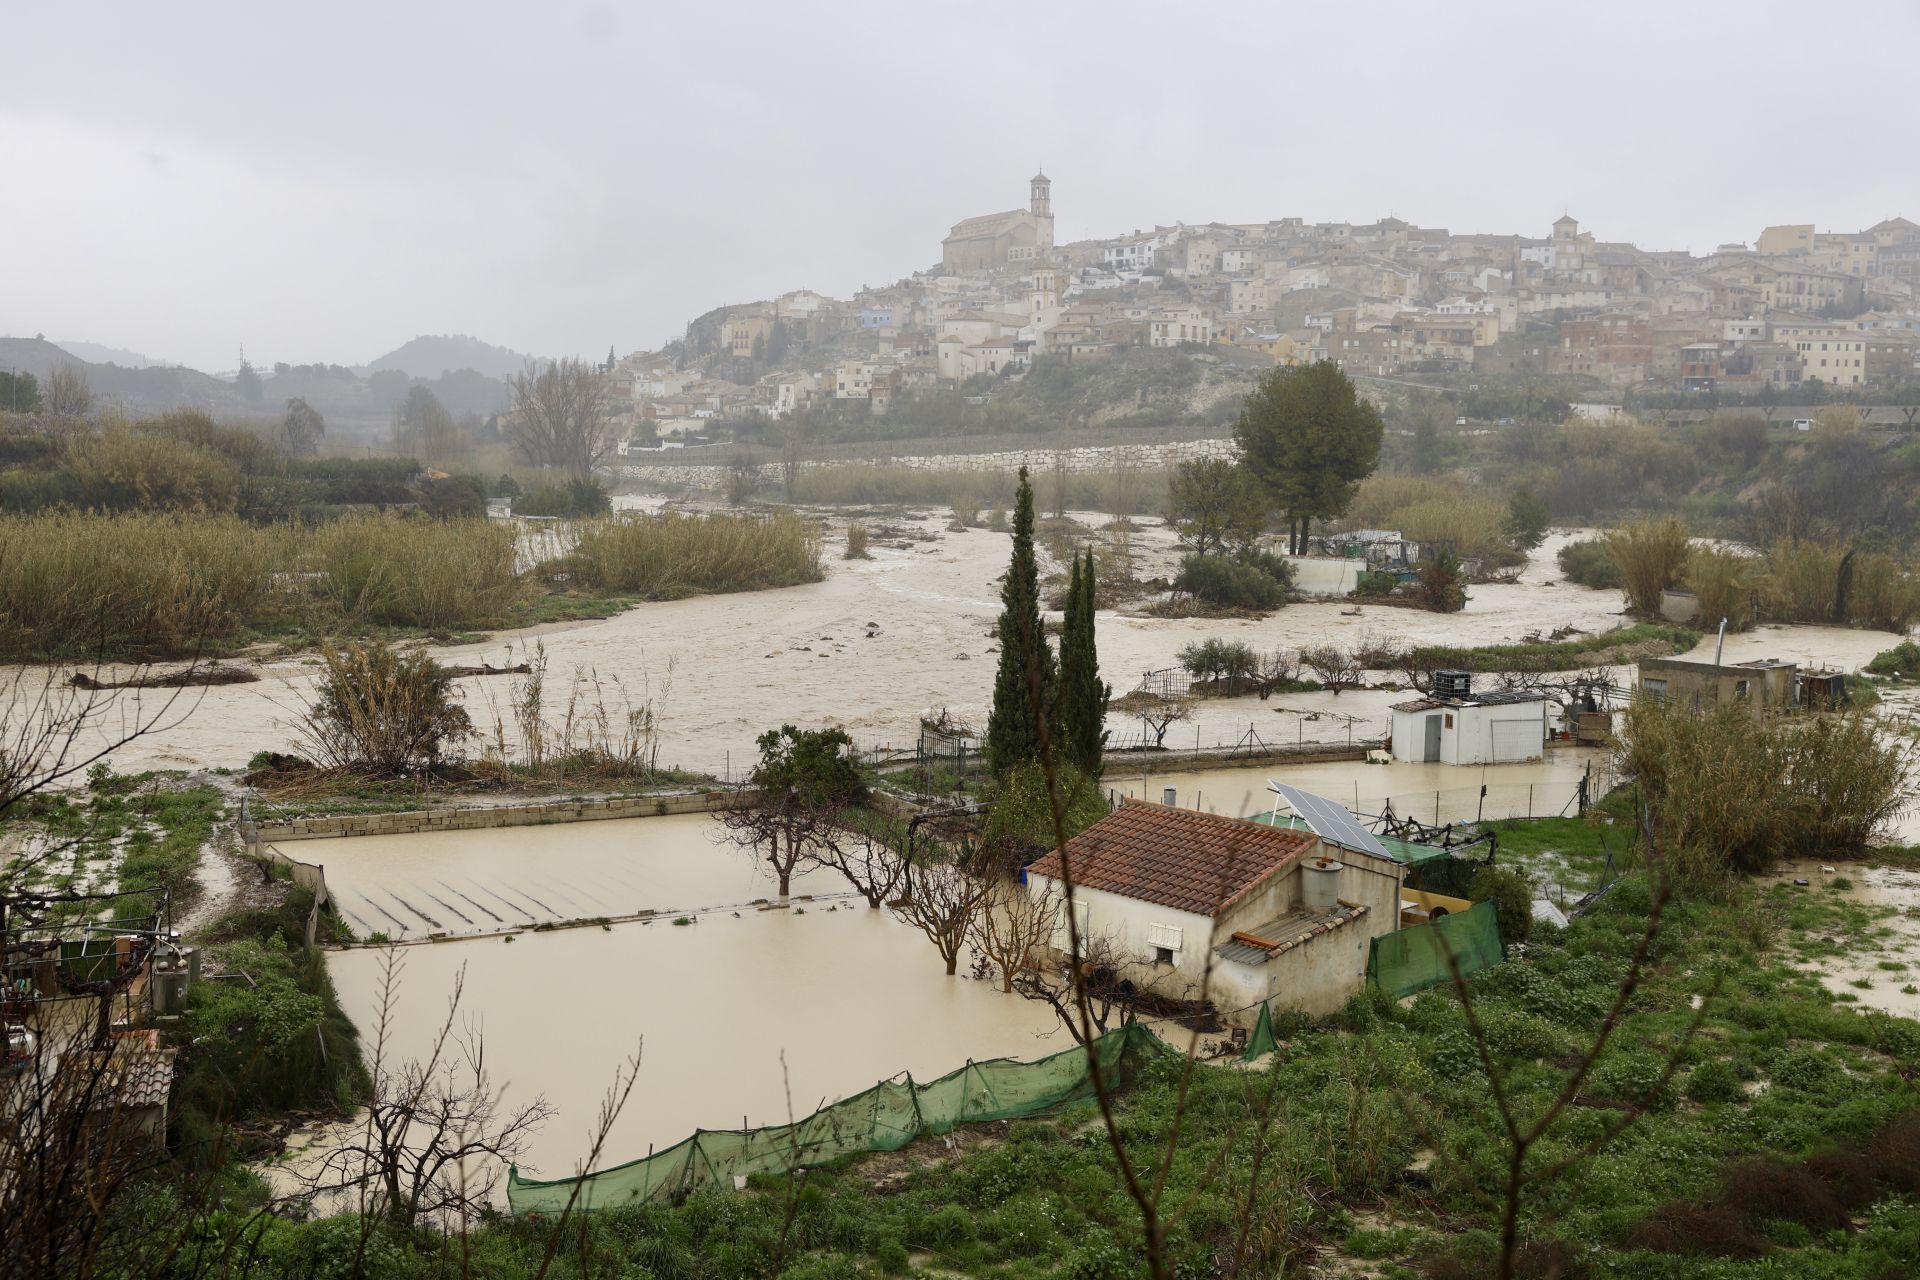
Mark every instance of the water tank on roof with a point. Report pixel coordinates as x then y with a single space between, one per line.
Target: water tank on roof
1453 684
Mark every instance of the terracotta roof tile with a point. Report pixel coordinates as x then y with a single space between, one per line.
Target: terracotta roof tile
1179 858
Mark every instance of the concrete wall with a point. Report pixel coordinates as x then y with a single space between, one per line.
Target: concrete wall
478 817
1326 575
1088 458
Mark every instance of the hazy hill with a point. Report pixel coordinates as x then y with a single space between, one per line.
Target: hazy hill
95 353
155 387
430 356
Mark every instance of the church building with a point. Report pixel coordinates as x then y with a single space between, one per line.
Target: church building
996 240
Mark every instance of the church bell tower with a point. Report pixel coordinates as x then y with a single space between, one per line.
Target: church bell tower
1040 204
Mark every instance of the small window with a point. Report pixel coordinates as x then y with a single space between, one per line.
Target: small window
1163 955
1449 720
1656 687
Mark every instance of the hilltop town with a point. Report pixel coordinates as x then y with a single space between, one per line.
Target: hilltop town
1795 312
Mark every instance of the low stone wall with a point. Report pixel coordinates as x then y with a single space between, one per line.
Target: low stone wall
1083 459
480 817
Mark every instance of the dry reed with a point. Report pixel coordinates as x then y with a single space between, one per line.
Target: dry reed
1651 555
668 556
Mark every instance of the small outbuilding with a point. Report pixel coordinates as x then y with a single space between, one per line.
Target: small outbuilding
1195 906
1454 725
1762 683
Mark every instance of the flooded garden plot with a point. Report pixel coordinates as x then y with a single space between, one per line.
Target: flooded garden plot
745 1018
1543 788
505 878
1857 929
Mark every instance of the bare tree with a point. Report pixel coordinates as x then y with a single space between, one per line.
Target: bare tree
1014 926
942 899
1277 670
301 429
794 430
68 396
866 859
561 416
1156 712
437 1133
1338 667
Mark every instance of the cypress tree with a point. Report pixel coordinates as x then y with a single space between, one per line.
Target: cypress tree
1083 699
1023 685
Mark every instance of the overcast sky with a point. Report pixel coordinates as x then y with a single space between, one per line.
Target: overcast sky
183 178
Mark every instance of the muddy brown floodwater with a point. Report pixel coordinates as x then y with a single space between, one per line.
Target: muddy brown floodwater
881 641
736 1013
461 882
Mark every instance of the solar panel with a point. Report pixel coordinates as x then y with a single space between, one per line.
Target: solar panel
1329 820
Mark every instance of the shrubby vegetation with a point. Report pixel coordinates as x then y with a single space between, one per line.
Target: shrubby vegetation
662 557
1227 582
1589 563
1728 791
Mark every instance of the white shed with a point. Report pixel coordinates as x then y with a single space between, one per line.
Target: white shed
1487 728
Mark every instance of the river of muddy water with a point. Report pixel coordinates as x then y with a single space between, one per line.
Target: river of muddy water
881 641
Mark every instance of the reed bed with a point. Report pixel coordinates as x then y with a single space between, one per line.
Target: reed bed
664 557
414 573
1811 581
167 584
77 585
1651 556
1434 510
1724 582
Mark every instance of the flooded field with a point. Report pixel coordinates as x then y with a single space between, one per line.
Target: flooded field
736 1014
1429 792
486 881
806 654
882 641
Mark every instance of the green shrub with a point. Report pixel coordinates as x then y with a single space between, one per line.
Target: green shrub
1512 895
1714 1081
1903 660
1589 563
574 499
1228 584
1376 583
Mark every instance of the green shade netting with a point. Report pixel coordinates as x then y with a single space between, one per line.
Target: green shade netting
1414 959
884 1118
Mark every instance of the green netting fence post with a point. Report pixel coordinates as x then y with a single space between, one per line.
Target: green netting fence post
919 1119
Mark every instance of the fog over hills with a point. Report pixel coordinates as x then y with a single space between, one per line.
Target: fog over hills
431 355
99 353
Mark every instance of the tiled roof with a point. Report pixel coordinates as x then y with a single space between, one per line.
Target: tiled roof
1179 858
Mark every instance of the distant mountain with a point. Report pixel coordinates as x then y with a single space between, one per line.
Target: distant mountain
94 353
154 387
430 356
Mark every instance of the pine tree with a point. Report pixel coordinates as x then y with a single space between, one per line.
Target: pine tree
1083 699
1023 684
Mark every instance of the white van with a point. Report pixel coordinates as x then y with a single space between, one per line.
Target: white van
1803 424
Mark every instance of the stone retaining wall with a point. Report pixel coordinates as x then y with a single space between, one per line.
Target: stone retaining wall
480 817
1083 459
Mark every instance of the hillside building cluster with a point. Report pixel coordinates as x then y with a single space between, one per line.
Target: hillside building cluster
1380 299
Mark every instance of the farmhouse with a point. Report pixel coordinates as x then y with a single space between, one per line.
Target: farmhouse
1192 905
1764 683
1453 725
